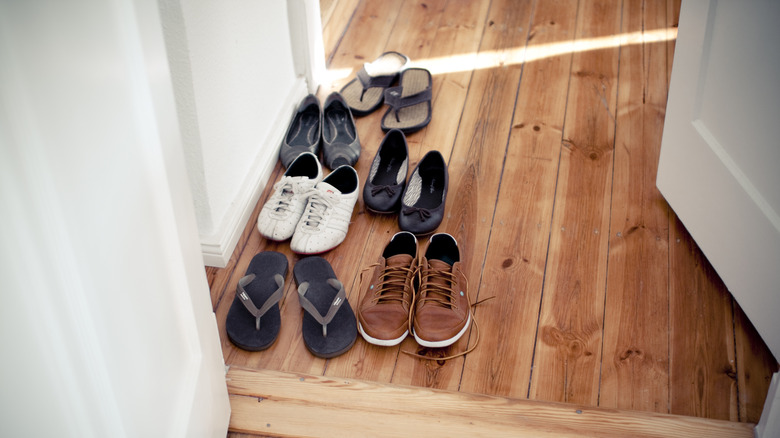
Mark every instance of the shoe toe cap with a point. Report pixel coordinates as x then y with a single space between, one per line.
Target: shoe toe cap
315 243
275 229
418 222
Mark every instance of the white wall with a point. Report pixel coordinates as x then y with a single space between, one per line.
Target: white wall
236 86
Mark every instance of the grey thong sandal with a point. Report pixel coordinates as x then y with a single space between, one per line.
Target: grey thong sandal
410 102
365 93
253 321
329 325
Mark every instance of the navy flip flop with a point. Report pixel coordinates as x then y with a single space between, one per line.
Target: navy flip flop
253 321
329 325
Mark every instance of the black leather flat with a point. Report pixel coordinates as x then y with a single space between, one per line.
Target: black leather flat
340 142
387 178
422 205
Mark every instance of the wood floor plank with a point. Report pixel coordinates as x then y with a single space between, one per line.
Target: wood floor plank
755 367
475 168
285 404
568 350
416 21
517 252
335 14
457 39
702 367
635 356
366 36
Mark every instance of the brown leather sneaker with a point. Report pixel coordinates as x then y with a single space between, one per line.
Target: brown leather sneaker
442 309
383 315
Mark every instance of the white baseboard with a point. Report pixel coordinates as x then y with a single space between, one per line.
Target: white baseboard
218 248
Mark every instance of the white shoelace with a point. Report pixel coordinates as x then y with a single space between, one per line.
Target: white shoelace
284 192
318 205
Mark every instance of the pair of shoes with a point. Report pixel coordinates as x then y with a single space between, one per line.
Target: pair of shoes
328 326
436 310
422 201
410 101
314 211
332 126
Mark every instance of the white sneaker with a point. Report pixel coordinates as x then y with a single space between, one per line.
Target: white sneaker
325 220
283 210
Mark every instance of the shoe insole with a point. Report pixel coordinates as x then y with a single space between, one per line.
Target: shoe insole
338 126
431 189
305 128
387 174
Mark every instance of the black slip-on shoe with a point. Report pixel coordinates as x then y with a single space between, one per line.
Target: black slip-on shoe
304 132
387 177
422 205
340 142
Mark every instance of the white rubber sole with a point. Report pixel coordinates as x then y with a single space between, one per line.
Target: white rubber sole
381 342
444 343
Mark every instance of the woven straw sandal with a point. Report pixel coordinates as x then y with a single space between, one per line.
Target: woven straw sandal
365 93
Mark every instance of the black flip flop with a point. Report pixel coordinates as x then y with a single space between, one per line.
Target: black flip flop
410 102
329 324
365 93
253 321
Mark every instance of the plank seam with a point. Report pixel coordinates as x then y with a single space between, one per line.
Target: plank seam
612 195
501 175
341 36
552 212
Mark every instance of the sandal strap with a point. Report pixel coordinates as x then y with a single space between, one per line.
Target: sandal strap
369 81
338 300
394 97
275 297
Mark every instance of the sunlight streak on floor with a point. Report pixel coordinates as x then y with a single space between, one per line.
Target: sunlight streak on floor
519 55
502 58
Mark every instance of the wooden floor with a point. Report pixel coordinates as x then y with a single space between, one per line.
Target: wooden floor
550 114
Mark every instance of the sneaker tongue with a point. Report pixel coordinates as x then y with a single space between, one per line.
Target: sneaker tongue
399 260
327 188
295 179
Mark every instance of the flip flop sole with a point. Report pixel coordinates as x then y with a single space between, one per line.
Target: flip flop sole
342 329
361 103
240 324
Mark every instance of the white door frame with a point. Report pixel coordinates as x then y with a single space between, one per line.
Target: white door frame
106 311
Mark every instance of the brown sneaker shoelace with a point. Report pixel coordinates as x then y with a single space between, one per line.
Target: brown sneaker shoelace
437 286
393 285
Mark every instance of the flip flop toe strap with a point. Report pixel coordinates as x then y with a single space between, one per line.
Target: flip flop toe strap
250 305
341 298
395 98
